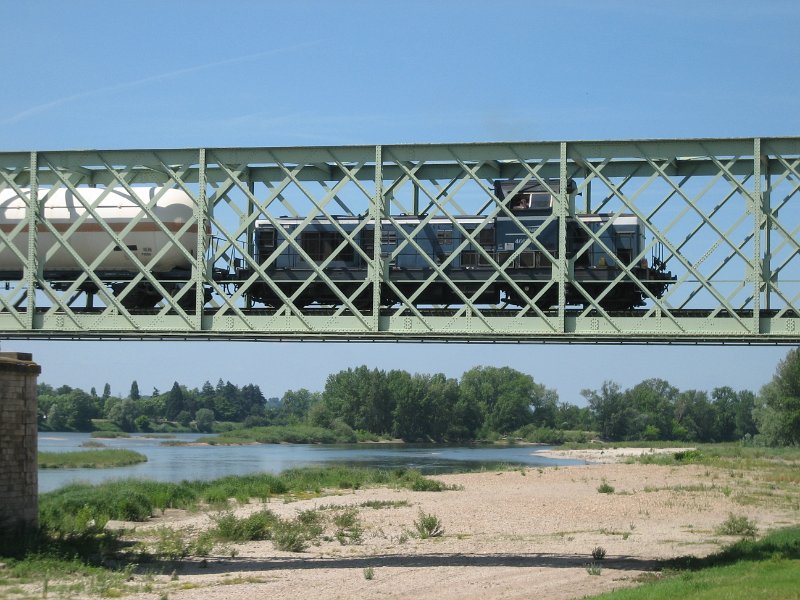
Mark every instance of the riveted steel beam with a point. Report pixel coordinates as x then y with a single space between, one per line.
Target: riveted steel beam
723 215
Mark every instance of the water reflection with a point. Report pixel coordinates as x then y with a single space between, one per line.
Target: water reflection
176 463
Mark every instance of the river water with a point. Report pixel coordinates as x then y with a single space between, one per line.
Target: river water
177 463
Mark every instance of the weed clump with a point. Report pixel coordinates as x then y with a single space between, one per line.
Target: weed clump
737 525
428 526
348 527
257 526
290 536
605 488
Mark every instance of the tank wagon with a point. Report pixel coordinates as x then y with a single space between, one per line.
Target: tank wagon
68 219
467 250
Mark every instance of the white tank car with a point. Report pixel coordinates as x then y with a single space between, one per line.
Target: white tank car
61 208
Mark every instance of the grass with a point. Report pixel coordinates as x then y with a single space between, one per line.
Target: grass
276 434
775 472
110 434
748 570
69 508
90 459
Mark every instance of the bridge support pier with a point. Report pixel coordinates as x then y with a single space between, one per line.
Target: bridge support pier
19 504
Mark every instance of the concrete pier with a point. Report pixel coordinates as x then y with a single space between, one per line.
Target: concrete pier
19 504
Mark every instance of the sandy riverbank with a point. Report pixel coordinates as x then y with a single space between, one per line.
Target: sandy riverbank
514 534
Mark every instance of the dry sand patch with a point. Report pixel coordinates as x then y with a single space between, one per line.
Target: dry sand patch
512 534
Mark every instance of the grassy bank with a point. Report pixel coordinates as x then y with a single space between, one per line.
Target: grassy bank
67 509
765 569
90 459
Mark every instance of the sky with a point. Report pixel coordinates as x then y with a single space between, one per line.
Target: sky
172 74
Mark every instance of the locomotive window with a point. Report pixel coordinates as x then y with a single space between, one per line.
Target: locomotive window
319 245
267 238
527 259
444 236
470 258
486 237
540 201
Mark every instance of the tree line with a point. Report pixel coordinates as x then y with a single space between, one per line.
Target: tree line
487 402
67 408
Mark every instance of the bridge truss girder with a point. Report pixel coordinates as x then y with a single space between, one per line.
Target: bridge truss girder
722 213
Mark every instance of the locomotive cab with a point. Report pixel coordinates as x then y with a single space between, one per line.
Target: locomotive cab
533 197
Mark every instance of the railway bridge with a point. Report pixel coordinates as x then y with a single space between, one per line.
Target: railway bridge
719 217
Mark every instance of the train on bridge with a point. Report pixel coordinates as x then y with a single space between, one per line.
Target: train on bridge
509 258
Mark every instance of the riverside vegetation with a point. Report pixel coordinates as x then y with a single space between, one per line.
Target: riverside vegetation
108 562
487 403
74 547
90 459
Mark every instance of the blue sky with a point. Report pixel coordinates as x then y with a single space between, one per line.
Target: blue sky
184 74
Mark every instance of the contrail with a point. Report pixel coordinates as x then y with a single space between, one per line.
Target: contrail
40 108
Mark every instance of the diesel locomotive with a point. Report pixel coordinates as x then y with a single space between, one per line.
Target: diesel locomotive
523 239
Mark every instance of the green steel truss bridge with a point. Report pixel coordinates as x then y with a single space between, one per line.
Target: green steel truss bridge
723 215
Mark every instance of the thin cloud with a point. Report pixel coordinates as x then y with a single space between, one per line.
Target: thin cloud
41 108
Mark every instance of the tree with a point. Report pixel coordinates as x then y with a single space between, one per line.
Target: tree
508 398
134 395
745 422
106 391
56 417
184 418
174 402
778 410
79 410
204 420
694 417
142 423
359 397
611 411
124 414
295 405
652 404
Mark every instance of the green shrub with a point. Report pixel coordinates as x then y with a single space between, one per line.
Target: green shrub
605 488
348 527
598 553
290 536
428 526
257 526
737 525
688 456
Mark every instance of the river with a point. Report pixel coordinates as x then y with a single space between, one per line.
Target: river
177 463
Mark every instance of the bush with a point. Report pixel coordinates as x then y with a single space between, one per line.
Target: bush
598 553
348 527
605 488
737 525
428 526
290 536
257 526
